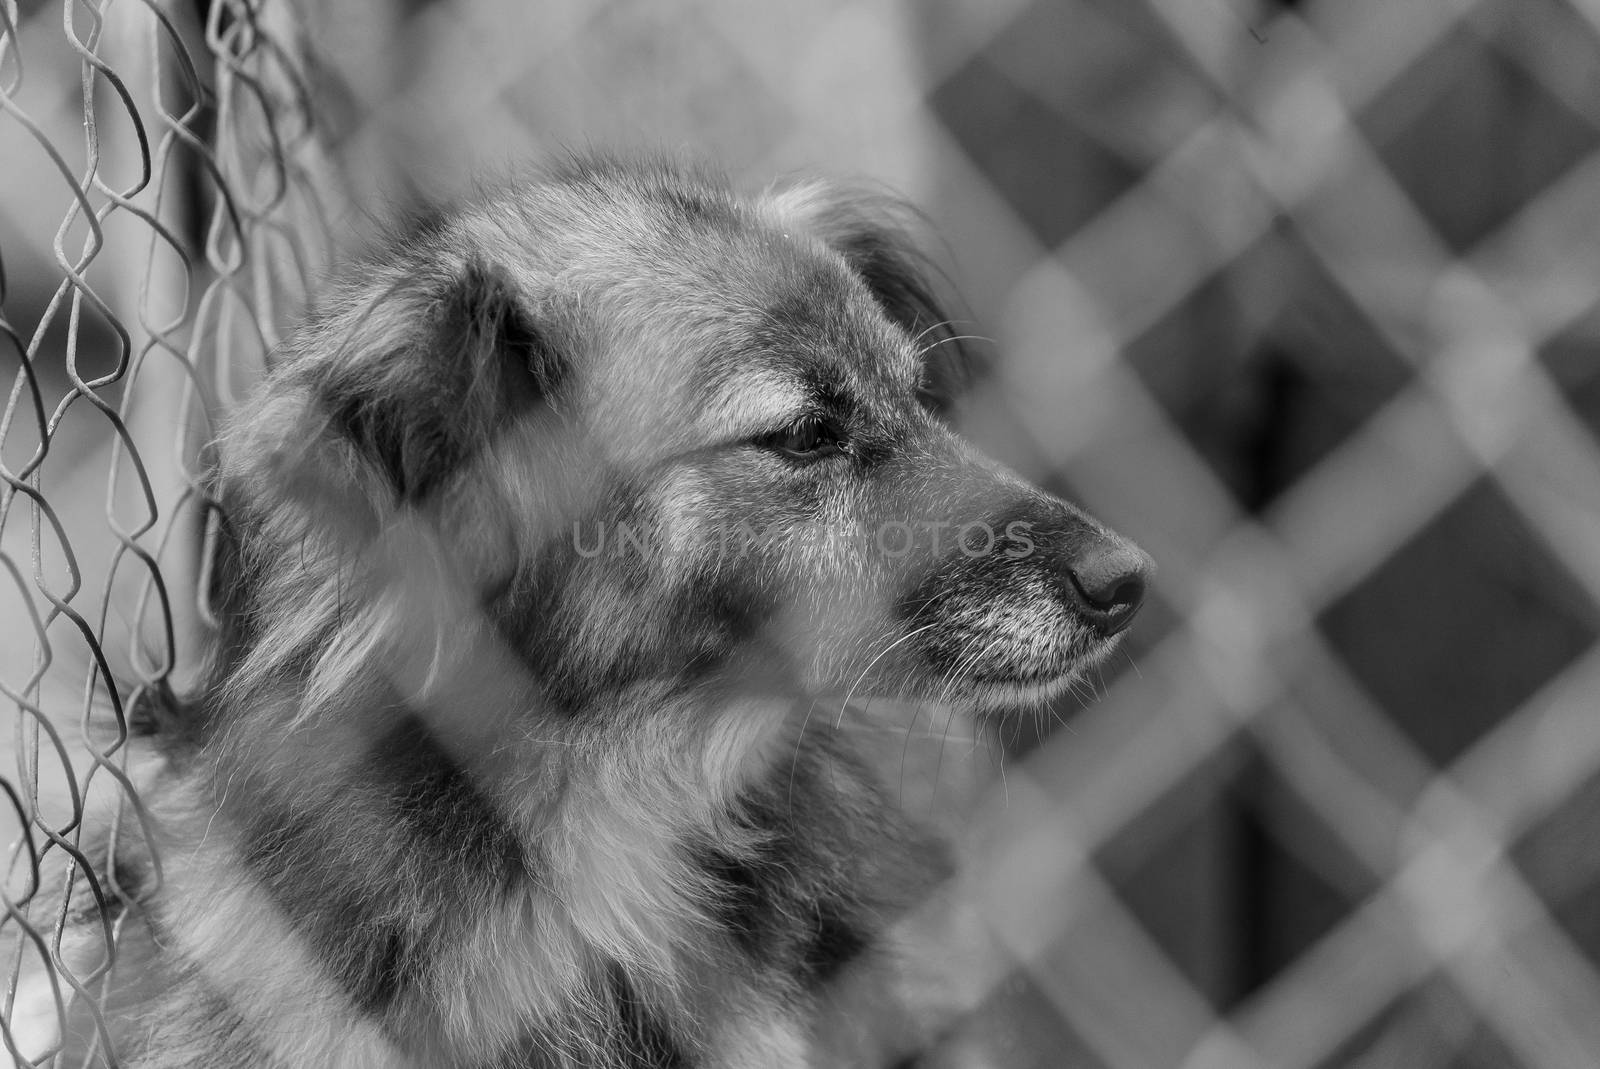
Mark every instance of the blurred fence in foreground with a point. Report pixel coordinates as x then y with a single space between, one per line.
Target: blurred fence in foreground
1301 296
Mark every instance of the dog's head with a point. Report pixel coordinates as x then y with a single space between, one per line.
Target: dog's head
670 436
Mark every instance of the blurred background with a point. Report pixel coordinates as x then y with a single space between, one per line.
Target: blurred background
1304 297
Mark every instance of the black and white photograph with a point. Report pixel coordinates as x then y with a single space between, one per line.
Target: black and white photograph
842 534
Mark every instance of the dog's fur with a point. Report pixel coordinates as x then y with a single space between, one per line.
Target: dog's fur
469 786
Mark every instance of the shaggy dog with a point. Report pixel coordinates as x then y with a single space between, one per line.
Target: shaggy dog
542 542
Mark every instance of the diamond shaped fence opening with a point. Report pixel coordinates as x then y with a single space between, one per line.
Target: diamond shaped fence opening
1300 296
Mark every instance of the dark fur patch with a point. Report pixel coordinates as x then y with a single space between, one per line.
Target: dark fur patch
835 942
290 858
419 420
543 600
741 896
867 234
633 1036
436 801
787 903
645 1041
341 904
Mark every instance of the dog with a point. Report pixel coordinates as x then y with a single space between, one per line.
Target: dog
538 549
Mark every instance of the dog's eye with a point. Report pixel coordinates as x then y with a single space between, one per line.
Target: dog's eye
809 439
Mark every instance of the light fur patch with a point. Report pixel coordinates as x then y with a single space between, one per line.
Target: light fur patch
252 956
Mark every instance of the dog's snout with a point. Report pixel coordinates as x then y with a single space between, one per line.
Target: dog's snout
1108 580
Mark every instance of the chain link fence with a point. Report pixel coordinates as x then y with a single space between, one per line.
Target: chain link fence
1303 297
154 239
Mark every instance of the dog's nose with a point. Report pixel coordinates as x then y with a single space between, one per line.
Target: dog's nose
1108 581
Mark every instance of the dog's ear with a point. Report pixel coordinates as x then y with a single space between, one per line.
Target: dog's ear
873 232
432 367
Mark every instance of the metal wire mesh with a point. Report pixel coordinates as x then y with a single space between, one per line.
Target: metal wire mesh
1301 296
152 243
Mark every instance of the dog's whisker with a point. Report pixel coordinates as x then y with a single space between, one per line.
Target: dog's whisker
941 324
845 705
905 753
973 655
794 758
951 339
953 680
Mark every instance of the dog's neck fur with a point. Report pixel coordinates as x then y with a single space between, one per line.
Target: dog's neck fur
604 879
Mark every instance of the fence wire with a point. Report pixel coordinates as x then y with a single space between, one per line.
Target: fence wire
153 241
1304 297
